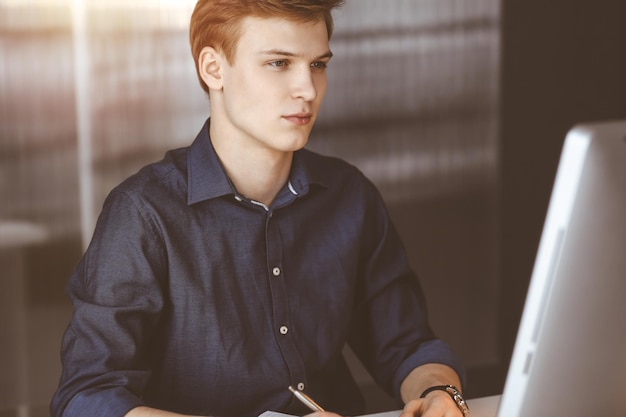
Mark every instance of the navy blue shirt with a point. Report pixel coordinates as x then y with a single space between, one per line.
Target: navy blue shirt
192 298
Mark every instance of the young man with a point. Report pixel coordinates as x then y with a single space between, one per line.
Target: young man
241 265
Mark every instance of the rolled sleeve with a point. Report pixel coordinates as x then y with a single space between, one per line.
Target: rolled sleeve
116 309
102 403
392 335
432 351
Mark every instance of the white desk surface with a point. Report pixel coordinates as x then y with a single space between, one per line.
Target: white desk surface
479 407
484 407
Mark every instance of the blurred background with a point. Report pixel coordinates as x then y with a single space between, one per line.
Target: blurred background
456 109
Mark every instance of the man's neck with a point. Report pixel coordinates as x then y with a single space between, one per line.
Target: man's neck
257 172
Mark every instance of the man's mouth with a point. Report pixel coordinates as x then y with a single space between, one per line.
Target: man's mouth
299 119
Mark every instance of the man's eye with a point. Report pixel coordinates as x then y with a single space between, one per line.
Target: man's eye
319 65
279 64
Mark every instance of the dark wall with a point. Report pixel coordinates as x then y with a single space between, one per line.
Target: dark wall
563 62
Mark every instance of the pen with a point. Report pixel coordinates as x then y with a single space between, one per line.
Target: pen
306 400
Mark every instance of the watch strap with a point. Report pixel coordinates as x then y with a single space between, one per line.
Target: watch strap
453 392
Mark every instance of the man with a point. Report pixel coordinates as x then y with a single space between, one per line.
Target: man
241 265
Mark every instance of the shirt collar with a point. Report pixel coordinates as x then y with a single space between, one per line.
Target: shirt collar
305 172
207 179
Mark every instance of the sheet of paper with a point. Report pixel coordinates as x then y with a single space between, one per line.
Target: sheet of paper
274 414
394 413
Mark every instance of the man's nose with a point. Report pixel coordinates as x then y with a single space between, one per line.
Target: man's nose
304 84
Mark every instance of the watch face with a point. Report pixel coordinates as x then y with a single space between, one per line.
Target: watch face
458 398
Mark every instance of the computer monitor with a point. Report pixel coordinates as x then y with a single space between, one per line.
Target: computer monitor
570 353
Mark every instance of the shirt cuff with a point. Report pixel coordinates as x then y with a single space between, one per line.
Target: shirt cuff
432 351
113 402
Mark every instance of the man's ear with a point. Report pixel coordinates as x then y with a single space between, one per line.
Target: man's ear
210 67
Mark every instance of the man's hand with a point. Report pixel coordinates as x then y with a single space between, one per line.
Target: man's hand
323 414
150 412
435 404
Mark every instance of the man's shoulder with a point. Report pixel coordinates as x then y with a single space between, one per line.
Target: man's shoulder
166 176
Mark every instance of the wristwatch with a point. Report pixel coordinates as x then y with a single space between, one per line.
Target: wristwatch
453 392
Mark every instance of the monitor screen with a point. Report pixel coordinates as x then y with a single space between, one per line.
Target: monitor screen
570 353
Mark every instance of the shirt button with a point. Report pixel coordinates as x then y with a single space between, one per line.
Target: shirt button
276 271
301 386
283 329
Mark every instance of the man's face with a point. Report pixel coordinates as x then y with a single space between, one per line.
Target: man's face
273 90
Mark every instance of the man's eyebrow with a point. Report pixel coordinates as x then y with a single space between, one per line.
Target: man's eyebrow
280 52
328 54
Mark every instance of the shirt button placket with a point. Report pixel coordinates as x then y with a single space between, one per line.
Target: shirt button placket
280 307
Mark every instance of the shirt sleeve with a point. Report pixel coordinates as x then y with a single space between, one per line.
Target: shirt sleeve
391 332
117 298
